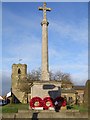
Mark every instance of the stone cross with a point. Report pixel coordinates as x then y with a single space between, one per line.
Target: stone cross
44 9
44 24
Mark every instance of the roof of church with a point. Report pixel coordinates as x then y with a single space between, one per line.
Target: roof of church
68 90
66 82
79 87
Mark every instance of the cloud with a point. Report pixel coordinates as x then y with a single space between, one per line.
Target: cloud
21 41
6 85
75 59
66 62
20 20
5 82
29 53
79 73
0 82
77 32
0 35
80 78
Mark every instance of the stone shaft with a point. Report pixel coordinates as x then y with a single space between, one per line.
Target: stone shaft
44 24
45 67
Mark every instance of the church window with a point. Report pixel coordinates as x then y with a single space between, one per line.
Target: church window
19 71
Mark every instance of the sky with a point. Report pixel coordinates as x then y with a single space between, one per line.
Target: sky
0 48
45 0
67 38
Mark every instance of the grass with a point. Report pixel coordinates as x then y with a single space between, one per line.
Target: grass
0 109
81 108
13 108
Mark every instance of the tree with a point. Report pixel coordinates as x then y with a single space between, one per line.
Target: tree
51 75
24 85
34 75
58 75
66 77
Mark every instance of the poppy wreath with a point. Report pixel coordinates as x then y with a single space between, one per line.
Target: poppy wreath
64 103
36 102
59 101
47 102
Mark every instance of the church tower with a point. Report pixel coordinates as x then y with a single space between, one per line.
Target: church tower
19 72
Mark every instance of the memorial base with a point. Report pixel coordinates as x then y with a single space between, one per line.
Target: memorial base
44 89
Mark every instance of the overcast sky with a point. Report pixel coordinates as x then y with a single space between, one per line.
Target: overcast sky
68 38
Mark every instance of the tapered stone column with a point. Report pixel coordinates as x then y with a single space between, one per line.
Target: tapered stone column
44 24
45 87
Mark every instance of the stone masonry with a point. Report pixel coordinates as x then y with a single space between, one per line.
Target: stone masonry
44 24
19 72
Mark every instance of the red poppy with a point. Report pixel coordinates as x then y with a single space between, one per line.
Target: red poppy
47 102
36 102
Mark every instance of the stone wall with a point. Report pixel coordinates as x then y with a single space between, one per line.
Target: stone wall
19 72
46 88
48 115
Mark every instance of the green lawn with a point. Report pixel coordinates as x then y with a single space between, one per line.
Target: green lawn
0 109
13 108
81 108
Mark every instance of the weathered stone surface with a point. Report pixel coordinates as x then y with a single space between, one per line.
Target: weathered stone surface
46 88
19 72
48 114
44 24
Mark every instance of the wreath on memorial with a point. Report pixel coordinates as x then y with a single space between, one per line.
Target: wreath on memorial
36 102
47 102
59 101
64 103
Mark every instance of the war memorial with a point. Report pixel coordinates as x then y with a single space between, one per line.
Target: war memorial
44 87
46 97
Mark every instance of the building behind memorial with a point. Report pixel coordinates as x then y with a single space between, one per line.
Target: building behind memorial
68 89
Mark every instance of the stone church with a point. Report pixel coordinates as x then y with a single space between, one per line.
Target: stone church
68 90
